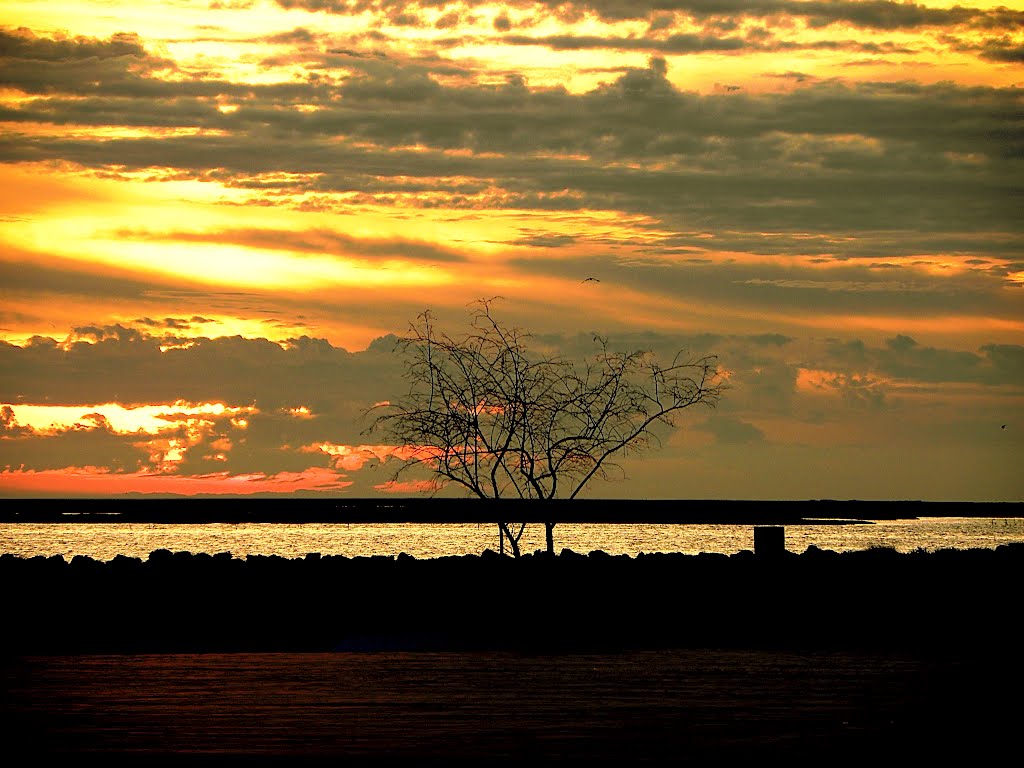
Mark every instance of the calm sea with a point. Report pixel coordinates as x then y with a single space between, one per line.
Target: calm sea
104 541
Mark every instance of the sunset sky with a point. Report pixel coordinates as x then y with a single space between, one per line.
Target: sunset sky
216 215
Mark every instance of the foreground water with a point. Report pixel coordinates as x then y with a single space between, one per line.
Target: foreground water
487 707
104 541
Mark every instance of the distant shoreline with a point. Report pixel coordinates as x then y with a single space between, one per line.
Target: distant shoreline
212 509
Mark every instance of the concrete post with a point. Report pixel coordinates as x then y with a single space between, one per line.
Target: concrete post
769 540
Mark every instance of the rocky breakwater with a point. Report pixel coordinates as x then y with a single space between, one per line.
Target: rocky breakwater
182 602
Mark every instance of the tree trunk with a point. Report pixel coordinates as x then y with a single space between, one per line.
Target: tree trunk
513 542
549 535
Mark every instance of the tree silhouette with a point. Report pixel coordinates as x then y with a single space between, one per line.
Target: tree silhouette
485 413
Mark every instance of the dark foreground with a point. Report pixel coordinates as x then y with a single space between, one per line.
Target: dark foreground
179 602
819 657
671 706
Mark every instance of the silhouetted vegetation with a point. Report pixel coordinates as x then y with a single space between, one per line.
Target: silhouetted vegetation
486 414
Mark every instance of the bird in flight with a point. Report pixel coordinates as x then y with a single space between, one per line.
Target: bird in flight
591 280
1003 427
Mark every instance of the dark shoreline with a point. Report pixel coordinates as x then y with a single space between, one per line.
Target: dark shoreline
207 509
925 602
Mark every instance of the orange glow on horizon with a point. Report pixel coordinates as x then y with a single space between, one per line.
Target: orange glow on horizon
84 481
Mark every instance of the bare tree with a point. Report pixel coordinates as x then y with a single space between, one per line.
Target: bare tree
484 413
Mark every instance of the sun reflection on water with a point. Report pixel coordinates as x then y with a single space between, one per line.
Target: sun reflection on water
104 541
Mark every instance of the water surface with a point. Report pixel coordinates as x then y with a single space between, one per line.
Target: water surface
104 541
489 706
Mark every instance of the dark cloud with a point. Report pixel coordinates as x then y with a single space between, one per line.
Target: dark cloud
546 240
728 429
448 20
337 387
850 288
673 44
771 339
1007 361
176 324
299 35
1003 50
903 357
999 49
270 443
869 14
761 369
38 64
126 365
432 113
401 19
267 442
84 445
945 158
692 43
22 43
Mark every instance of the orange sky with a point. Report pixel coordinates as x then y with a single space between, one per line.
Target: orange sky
211 211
